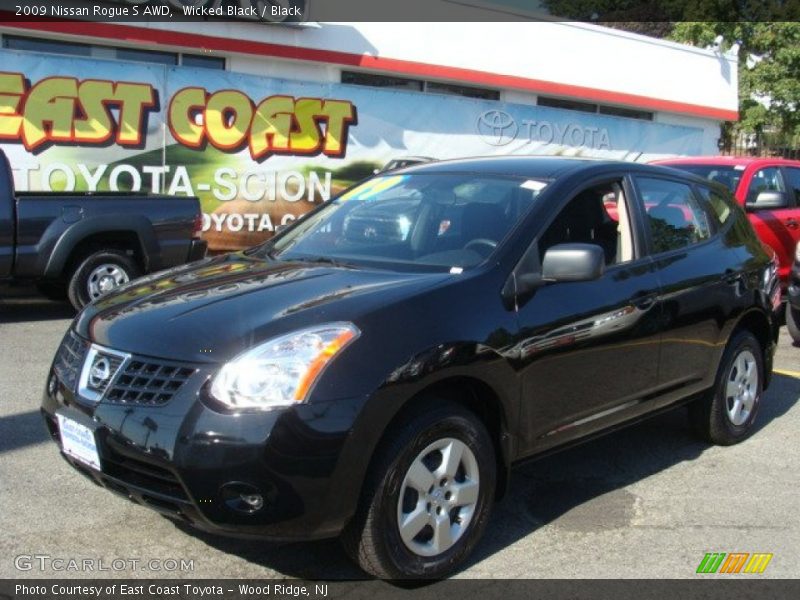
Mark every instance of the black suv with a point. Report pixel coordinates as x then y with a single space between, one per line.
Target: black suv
375 370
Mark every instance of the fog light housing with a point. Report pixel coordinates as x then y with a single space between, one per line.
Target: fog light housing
242 498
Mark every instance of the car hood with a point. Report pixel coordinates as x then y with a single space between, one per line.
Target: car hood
211 310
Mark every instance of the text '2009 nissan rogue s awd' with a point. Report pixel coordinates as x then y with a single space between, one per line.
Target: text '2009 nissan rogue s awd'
375 370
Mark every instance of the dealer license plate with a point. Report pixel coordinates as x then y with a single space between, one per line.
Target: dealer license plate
78 442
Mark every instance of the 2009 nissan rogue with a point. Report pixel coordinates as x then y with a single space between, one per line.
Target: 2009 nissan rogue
375 370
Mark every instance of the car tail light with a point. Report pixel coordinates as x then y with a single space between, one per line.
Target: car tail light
197 230
772 283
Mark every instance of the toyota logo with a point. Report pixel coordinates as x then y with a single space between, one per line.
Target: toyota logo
100 372
497 127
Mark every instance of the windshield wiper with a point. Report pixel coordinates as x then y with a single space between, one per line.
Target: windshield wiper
323 260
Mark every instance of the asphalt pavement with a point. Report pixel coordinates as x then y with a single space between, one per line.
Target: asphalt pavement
645 502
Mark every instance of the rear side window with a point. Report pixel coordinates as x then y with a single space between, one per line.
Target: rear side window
793 180
718 205
674 215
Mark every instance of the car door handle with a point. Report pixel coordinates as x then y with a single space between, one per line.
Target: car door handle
792 223
643 300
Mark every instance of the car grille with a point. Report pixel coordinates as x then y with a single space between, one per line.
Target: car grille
69 359
137 380
147 382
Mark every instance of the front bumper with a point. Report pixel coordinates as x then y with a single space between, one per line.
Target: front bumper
193 463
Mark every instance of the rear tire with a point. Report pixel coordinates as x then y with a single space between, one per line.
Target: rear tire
727 414
421 514
793 322
98 274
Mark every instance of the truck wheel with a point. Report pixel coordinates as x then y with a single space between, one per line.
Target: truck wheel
98 274
793 322
52 290
427 497
727 414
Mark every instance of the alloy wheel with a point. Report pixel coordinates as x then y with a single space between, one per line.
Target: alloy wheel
741 388
438 497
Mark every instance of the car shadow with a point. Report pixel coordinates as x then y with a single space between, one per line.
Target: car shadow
19 304
21 430
555 487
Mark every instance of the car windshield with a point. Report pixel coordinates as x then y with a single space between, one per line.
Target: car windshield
727 176
411 221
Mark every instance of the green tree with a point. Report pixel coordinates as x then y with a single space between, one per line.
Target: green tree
769 71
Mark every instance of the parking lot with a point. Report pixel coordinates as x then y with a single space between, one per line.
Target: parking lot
649 501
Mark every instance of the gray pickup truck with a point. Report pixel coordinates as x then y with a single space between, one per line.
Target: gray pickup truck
82 245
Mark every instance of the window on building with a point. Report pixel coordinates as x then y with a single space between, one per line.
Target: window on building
13 42
435 87
203 62
29 44
588 107
674 215
417 85
148 56
383 81
566 104
630 113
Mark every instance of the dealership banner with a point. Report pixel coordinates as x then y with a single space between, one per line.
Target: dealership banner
257 151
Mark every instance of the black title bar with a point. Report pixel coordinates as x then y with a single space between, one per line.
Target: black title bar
299 12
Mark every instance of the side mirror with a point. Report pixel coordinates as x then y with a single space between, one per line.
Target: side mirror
768 200
573 262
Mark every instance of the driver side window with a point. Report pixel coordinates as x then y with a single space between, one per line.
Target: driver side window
597 215
764 180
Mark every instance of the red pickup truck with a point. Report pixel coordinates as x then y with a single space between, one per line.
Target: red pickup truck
768 188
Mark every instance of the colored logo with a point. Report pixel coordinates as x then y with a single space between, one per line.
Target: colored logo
497 127
734 562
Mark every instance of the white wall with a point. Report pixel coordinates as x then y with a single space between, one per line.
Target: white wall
283 69
566 53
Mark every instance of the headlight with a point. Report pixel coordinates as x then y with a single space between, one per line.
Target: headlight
281 371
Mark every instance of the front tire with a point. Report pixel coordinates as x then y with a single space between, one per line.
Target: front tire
98 274
793 322
427 497
727 414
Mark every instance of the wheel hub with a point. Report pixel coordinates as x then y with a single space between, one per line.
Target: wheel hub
106 284
742 388
104 278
